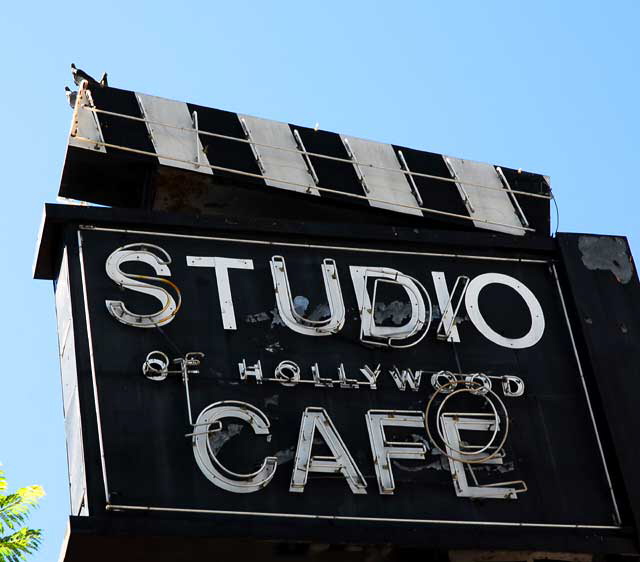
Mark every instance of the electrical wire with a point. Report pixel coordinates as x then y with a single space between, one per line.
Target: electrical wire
557 215
298 184
314 154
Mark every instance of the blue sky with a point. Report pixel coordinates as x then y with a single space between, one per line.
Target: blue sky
550 87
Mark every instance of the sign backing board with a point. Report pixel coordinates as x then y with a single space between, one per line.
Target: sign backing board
181 156
147 450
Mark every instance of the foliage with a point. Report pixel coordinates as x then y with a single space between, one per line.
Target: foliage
16 541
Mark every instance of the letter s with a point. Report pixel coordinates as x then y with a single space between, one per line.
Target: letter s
144 253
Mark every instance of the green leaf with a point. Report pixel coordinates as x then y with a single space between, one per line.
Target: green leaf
15 546
14 510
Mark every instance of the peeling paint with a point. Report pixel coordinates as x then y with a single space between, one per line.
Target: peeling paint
219 438
436 314
274 347
433 465
397 311
421 439
277 321
254 318
285 455
439 463
300 304
607 253
442 463
502 468
320 312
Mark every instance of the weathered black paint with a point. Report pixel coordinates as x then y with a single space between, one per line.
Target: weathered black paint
147 473
132 538
607 314
354 233
133 180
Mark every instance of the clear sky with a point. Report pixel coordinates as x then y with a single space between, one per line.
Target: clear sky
547 86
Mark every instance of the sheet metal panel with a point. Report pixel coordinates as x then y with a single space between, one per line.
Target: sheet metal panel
384 184
132 166
605 295
69 378
148 418
87 125
280 164
551 433
535 209
168 141
487 204
135 539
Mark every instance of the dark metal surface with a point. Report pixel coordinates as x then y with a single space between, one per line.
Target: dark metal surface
132 539
551 446
149 462
57 217
136 179
605 290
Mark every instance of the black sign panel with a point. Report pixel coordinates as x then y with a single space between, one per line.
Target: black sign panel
339 412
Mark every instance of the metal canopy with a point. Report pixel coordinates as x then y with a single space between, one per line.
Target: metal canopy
490 209
360 178
173 140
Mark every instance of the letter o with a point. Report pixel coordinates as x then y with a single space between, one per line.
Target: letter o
293 378
473 310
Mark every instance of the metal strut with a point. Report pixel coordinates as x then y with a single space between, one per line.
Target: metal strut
156 368
248 140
